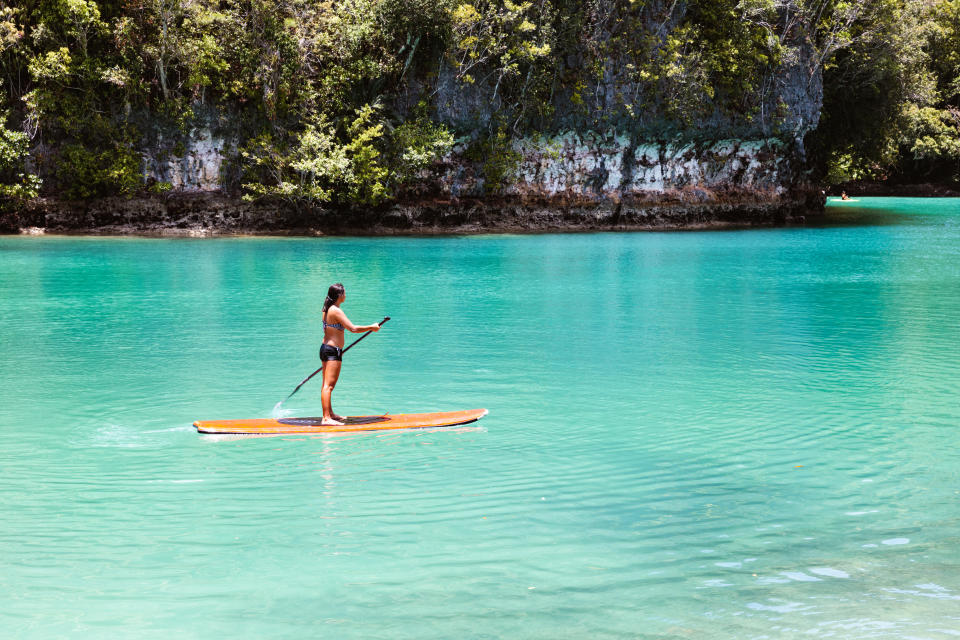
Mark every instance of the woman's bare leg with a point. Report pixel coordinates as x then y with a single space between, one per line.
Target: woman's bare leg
331 372
333 414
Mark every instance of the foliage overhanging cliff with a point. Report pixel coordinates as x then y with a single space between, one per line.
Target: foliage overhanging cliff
348 102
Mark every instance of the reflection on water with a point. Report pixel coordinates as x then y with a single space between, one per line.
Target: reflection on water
723 435
886 211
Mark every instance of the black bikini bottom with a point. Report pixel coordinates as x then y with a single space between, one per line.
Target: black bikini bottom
330 352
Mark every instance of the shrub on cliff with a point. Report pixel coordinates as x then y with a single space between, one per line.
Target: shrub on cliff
414 145
87 173
496 158
343 164
17 182
319 164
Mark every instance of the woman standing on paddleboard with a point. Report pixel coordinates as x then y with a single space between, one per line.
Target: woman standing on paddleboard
335 323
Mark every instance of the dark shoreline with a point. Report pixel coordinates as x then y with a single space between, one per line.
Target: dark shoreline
214 214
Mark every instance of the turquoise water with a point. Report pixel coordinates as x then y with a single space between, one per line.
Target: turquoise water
746 434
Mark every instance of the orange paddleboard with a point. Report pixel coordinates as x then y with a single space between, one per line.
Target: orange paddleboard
354 423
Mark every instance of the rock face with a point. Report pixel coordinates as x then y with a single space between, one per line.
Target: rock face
615 167
194 163
568 165
572 181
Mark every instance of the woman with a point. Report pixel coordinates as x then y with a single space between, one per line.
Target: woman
335 322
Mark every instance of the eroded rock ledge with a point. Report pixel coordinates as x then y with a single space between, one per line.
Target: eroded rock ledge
207 214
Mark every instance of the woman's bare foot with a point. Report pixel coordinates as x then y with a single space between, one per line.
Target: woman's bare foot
337 416
330 422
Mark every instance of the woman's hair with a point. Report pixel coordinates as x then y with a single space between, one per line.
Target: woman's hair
333 294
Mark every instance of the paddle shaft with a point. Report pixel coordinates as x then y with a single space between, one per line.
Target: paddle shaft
349 346
345 349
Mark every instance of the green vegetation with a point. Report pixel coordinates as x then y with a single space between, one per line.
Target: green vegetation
892 96
497 159
349 102
16 181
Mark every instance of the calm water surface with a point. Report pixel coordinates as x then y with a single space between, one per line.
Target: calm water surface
694 435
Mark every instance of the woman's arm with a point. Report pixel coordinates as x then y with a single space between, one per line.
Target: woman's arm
342 318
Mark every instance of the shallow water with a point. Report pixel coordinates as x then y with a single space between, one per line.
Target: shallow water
746 434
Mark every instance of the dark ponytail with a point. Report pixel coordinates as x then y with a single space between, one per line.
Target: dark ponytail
333 294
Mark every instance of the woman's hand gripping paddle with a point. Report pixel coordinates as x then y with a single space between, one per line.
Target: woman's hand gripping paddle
345 349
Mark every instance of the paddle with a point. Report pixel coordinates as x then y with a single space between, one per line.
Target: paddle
347 348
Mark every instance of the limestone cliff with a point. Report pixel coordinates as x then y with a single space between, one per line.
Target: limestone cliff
595 162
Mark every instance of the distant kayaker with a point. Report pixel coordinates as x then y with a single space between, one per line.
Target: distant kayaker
844 196
335 322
